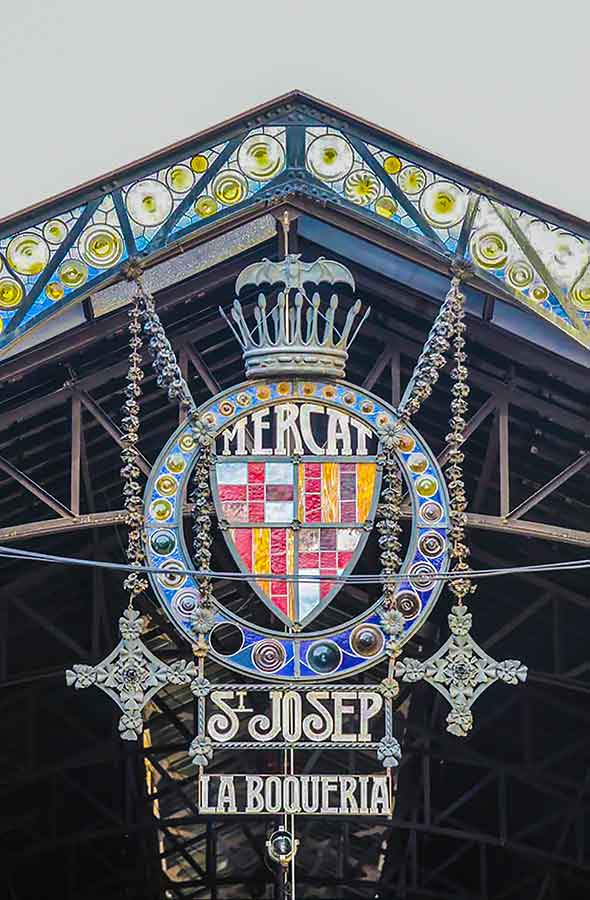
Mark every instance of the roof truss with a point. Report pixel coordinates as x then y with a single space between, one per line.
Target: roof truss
61 251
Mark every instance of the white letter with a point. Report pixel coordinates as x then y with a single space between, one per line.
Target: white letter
363 808
223 726
259 427
286 417
371 704
318 728
341 710
338 430
273 804
254 798
291 793
329 783
230 433
272 729
380 797
306 430
310 804
204 807
291 716
362 433
227 795
348 804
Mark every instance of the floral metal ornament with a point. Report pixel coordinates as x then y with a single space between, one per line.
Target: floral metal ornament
131 675
389 752
460 670
201 751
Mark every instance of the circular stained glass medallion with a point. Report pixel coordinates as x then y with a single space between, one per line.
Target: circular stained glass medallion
27 253
261 157
180 179
149 202
11 293
489 250
55 231
73 273
443 204
361 187
412 180
330 157
100 246
269 655
229 187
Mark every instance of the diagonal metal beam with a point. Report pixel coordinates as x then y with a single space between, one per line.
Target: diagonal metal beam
109 426
35 489
547 489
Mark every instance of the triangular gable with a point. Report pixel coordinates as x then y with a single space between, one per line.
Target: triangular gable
64 249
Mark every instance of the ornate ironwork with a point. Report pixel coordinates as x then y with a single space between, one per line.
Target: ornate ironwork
131 675
460 670
516 246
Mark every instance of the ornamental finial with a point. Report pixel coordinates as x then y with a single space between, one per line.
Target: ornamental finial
295 336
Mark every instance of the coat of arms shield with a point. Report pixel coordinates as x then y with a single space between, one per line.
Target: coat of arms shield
306 516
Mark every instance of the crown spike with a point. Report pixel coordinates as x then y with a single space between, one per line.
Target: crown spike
263 322
238 317
312 321
350 317
282 326
329 329
281 348
296 330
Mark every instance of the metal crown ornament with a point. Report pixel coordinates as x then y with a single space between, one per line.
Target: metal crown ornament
295 337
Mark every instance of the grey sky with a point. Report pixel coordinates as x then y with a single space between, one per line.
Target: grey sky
499 87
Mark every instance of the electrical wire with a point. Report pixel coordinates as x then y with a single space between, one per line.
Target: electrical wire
31 556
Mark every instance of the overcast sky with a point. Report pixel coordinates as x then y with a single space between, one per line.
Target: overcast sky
501 87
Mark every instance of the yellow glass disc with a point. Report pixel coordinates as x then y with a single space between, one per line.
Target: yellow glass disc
406 443
73 273
28 253
417 463
229 187
199 164
149 202
361 187
180 179
11 293
581 296
54 291
489 250
412 180
540 292
100 246
426 486
175 462
161 509
260 157
392 165
187 442
386 207
520 274
330 157
166 485
54 231
443 204
206 206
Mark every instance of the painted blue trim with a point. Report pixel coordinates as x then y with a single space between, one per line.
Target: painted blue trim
57 258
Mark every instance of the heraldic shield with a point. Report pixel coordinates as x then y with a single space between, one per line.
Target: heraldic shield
306 515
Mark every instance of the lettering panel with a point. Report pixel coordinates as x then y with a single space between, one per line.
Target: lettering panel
337 717
308 795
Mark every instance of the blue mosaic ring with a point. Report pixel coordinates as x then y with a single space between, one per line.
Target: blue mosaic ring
338 652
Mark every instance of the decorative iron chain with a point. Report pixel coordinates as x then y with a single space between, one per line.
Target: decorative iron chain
134 583
456 437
